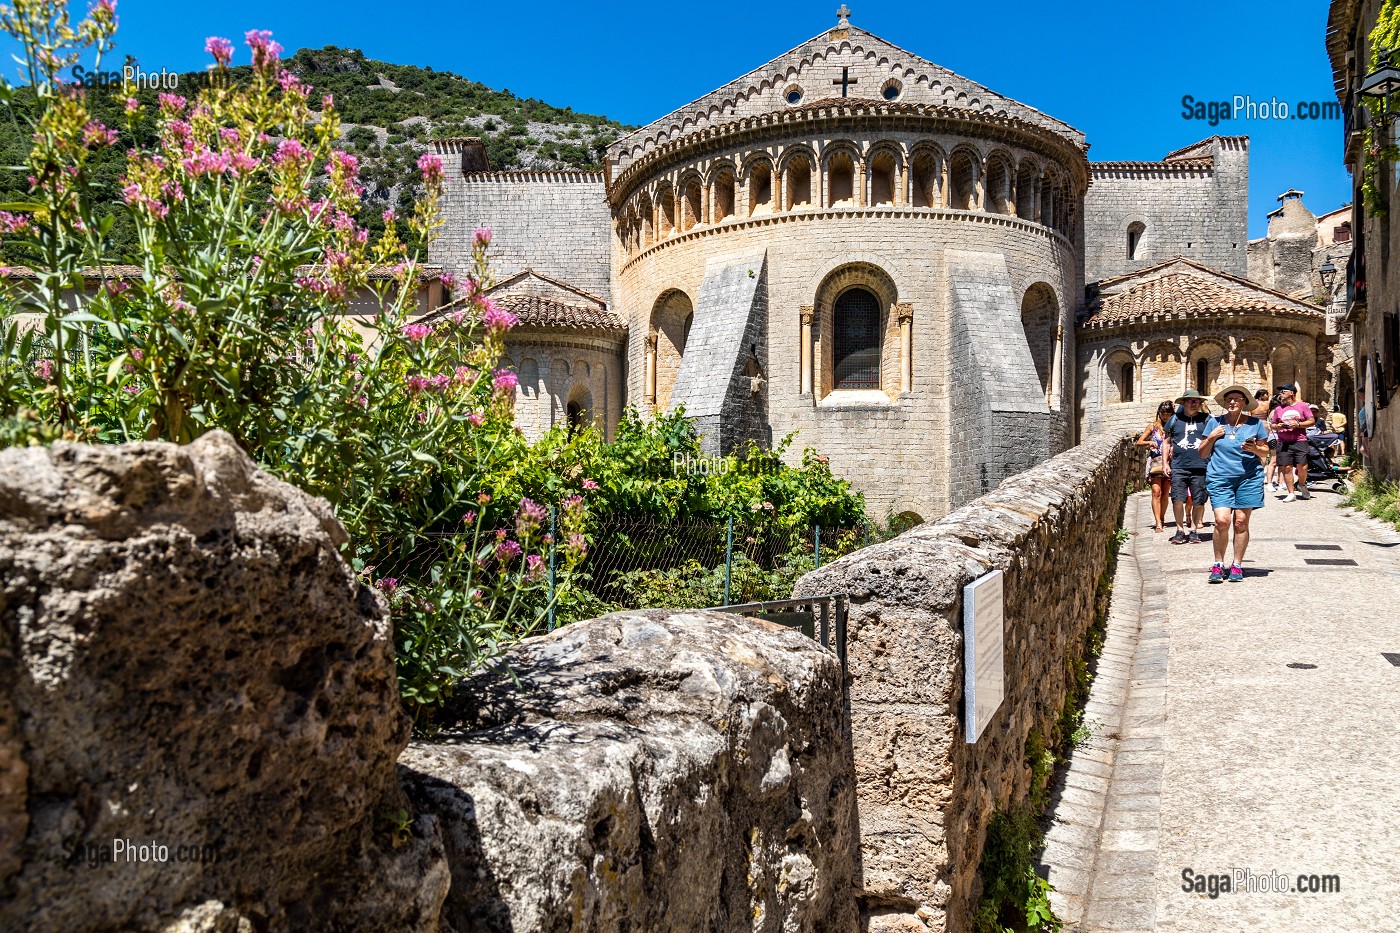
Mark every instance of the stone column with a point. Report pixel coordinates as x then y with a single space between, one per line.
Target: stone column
650 378
1057 364
805 382
905 314
1011 194
858 182
943 183
901 178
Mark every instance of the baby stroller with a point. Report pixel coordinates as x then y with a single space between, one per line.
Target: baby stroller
1320 467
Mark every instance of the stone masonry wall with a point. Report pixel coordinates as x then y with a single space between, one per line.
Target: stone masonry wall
923 795
557 223
648 770
1187 209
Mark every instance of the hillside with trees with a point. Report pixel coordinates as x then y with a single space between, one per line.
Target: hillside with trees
389 116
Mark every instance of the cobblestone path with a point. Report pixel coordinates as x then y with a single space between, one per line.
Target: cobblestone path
1241 726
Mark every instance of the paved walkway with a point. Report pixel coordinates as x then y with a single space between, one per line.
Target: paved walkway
1242 726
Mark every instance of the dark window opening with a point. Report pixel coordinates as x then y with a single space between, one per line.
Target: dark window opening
1125 389
857 340
1202 375
1135 231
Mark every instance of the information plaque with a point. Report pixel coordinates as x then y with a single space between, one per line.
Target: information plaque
983 669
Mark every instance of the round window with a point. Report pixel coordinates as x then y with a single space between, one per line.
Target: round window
891 90
793 95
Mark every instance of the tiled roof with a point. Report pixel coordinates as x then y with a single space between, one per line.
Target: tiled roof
539 311
1191 289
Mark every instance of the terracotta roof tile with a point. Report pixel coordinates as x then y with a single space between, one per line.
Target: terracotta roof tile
539 311
1185 292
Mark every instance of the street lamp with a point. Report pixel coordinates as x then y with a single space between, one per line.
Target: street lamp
1382 82
1328 273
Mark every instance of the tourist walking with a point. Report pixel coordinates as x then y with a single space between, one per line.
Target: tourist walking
1185 466
1234 452
1290 421
1154 438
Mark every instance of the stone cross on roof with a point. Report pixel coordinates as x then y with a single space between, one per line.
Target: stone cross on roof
843 14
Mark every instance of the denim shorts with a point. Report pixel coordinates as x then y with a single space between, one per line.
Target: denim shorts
1237 492
1194 480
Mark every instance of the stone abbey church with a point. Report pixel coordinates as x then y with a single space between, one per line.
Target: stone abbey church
856 246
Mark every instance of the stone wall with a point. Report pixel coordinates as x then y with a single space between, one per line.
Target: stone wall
186 661
924 796
555 222
650 770
555 365
1193 204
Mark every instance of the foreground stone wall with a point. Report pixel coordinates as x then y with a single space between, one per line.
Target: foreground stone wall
648 770
185 661
923 795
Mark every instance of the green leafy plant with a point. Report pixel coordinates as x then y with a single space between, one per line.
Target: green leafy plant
1383 39
1014 897
244 214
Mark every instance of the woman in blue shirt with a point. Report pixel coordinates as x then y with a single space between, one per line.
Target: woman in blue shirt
1234 453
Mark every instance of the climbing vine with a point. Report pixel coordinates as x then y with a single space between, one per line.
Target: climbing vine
1384 37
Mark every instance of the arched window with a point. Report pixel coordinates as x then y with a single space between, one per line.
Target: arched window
998 196
1135 231
856 343
840 181
690 206
962 178
666 223
1202 375
882 178
579 410
760 189
1027 190
1039 317
925 179
798 175
1122 378
723 196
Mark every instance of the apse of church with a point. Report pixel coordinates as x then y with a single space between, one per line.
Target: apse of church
850 244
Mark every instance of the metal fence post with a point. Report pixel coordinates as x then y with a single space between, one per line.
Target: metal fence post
817 546
728 556
552 536
866 542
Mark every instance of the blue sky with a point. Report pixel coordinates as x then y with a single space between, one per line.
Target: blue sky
1116 71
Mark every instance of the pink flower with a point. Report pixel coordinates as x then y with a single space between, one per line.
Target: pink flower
132 105
463 374
95 134
387 585
220 48
241 163
534 566
481 237
496 320
328 102
107 7
131 390
416 384
476 419
173 102
44 370
430 164
290 152
575 545
468 517
206 162
507 551
505 381
589 485
390 217
417 332
265 51
13 223
529 518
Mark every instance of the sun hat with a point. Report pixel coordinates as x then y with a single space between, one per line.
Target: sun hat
1228 390
1191 394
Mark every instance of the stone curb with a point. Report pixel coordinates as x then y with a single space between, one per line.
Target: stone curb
1101 848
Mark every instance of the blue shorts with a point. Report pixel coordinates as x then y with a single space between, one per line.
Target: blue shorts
1236 492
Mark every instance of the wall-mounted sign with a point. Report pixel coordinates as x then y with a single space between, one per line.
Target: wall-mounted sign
984 674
